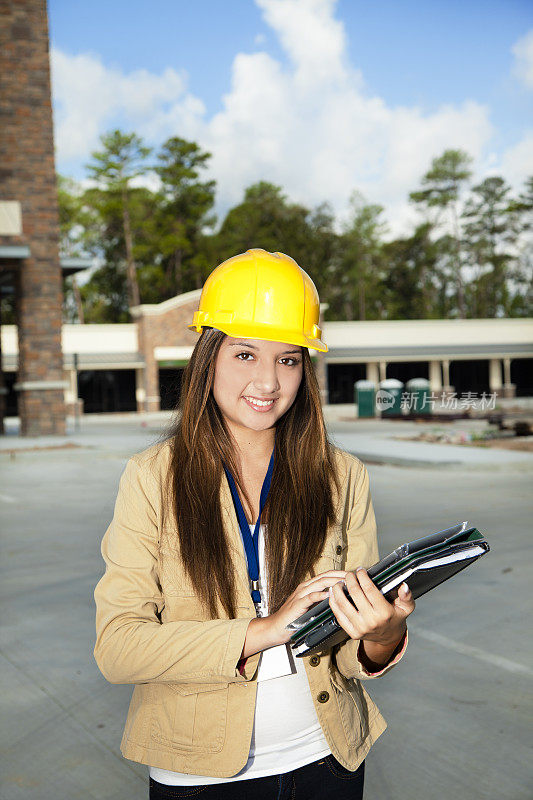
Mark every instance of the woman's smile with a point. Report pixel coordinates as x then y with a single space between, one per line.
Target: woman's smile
259 405
262 375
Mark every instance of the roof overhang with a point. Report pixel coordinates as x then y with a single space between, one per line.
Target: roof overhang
14 252
349 355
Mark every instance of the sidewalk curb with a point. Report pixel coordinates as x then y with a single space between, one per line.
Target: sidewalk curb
398 461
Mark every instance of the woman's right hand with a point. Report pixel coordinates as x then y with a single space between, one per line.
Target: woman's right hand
270 631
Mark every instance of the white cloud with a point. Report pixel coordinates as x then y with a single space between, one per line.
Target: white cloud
313 128
523 53
314 41
310 126
90 97
517 161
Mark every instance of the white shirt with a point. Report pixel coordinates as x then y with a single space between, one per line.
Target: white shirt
286 733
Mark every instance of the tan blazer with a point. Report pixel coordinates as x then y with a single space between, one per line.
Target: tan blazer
191 710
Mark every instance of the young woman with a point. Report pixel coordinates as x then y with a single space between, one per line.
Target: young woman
223 534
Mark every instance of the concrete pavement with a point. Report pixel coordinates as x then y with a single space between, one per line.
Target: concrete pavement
375 440
459 706
380 441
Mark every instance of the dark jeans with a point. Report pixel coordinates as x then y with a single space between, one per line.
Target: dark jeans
320 780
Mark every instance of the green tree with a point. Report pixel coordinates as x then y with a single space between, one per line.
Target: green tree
105 241
491 225
265 219
521 273
185 212
411 288
75 218
360 262
320 253
440 197
524 204
121 160
72 227
104 295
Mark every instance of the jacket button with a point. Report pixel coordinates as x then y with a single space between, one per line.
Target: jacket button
314 661
338 549
323 697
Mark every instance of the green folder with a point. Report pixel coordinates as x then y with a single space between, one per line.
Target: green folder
423 564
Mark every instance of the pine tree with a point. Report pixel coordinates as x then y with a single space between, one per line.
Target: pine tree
442 186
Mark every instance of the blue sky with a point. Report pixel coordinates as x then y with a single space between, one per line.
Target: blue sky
261 78
409 52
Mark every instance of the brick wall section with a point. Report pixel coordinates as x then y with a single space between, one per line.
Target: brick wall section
168 329
27 174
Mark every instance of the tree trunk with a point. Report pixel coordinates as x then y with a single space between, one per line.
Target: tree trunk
426 298
362 296
457 266
133 286
460 293
178 284
348 307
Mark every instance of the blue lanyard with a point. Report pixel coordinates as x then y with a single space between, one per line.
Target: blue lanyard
250 540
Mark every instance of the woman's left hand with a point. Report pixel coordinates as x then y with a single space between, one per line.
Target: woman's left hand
374 618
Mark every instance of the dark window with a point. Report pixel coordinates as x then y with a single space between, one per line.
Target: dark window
341 379
522 376
107 390
470 376
11 398
169 387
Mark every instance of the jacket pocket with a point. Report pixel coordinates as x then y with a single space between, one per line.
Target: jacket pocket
352 708
173 576
185 689
191 717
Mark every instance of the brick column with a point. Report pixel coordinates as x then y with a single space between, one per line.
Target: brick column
28 176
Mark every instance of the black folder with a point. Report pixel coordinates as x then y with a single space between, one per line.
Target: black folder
422 564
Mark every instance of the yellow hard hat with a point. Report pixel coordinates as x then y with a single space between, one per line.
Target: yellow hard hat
261 295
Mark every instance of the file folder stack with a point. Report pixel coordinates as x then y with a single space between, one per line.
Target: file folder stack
423 564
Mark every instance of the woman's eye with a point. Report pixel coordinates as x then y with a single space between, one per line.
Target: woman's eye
244 354
294 361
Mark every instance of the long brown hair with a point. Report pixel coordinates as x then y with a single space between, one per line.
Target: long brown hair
300 503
